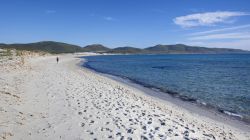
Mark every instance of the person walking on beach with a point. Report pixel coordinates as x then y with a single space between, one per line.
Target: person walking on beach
57 59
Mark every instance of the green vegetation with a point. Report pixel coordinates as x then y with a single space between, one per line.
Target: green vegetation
95 48
2 53
58 47
125 50
181 48
6 52
46 46
174 49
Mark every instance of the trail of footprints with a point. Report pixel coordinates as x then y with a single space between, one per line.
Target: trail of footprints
116 113
110 111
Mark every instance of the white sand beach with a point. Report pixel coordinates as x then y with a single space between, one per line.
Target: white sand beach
43 100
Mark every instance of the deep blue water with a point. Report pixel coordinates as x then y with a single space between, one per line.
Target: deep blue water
219 81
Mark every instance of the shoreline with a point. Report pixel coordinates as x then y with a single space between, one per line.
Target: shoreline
189 104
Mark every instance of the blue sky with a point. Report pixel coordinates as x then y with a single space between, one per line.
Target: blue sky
137 23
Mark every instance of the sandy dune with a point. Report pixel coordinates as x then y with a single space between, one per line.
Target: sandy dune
45 100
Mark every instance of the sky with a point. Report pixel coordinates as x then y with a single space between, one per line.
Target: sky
136 23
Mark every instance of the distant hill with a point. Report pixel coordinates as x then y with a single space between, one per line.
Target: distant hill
46 46
125 50
95 48
59 47
181 48
173 49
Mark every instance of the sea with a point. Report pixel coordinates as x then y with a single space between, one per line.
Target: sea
218 81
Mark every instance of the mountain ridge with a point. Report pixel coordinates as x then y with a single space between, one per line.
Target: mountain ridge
60 47
95 48
46 46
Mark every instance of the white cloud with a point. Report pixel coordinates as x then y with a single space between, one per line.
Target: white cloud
109 18
221 30
239 35
206 19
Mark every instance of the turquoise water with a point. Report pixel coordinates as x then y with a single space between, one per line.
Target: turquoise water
217 81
